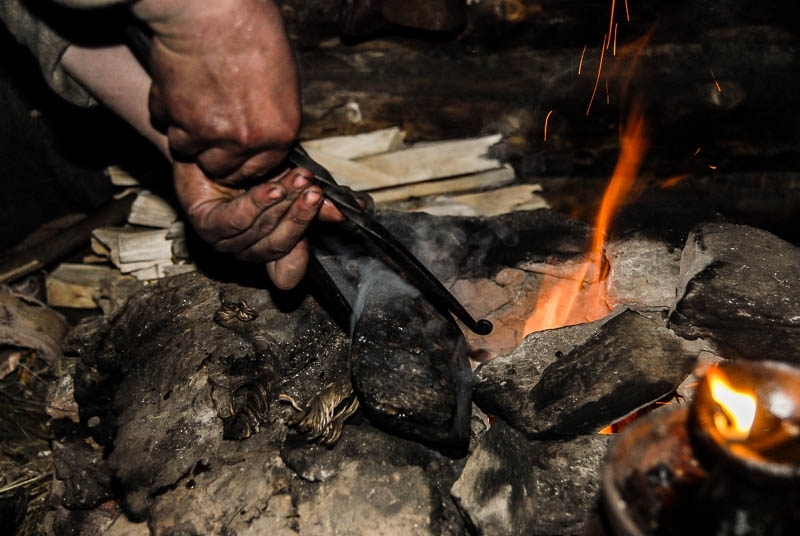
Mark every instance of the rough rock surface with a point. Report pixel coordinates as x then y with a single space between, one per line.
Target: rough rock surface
739 288
511 485
628 361
156 385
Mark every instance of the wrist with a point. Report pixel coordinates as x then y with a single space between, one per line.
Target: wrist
206 22
156 12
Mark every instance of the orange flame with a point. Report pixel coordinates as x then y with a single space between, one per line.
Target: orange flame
737 408
558 300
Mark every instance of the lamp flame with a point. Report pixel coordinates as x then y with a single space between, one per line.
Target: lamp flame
737 408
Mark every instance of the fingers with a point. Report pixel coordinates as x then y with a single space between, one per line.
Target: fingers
287 272
227 161
260 224
272 236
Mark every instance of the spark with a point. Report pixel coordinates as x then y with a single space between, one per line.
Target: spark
716 83
697 152
672 181
580 63
611 20
616 25
546 119
599 71
712 166
627 12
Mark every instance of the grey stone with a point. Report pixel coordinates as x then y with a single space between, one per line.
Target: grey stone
739 288
624 362
514 486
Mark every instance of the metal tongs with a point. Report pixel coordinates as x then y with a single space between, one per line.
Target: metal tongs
348 204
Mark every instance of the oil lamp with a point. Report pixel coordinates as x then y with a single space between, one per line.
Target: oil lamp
729 464
745 421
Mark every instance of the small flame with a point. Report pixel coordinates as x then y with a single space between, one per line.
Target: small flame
738 408
558 301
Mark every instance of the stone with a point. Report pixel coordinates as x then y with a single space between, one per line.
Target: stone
739 288
515 486
643 274
625 362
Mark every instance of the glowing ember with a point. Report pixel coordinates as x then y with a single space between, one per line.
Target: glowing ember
737 408
581 296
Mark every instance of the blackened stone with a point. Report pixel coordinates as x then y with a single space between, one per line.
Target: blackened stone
84 471
153 379
627 362
511 485
379 457
739 288
503 384
409 364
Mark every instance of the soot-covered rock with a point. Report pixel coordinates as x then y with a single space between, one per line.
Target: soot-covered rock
460 246
503 384
627 362
512 485
165 375
739 288
364 460
192 385
409 363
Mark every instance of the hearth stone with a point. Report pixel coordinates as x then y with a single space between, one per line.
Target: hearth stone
400 484
739 288
170 382
409 364
643 273
512 485
579 379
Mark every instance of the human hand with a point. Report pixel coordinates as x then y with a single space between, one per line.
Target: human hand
264 223
225 90
225 85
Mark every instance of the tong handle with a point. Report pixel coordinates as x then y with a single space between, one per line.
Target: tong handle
346 201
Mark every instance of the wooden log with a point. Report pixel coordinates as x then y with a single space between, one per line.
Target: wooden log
78 286
129 252
414 164
494 178
144 246
350 173
151 210
121 177
358 145
37 256
436 159
491 203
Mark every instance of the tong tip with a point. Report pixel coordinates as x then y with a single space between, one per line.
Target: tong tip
483 327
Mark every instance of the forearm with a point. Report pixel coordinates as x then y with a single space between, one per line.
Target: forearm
114 77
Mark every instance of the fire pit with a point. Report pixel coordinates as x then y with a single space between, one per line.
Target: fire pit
195 387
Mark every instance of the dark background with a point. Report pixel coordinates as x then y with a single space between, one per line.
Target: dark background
503 68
